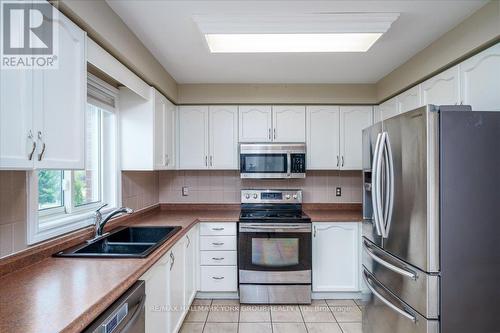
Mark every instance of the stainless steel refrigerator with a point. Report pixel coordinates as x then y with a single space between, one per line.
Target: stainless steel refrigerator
431 229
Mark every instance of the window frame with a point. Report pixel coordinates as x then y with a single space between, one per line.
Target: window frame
53 222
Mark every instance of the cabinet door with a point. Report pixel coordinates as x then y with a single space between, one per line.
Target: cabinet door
190 265
169 143
409 100
176 286
335 256
17 139
223 131
353 119
389 108
156 278
159 105
377 116
442 89
255 123
289 123
323 134
61 96
480 80
193 137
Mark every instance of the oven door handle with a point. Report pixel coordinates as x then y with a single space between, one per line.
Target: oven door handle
275 228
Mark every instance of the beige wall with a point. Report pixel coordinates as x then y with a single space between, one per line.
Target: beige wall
277 93
139 189
105 27
225 186
13 201
475 33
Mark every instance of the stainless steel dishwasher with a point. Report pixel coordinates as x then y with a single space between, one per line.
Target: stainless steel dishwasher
126 315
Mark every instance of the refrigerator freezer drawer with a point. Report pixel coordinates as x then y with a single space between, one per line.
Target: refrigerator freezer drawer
418 289
386 313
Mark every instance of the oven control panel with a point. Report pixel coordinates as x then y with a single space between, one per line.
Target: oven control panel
271 196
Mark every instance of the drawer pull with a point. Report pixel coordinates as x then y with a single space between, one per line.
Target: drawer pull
217 229
217 277
218 243
221 258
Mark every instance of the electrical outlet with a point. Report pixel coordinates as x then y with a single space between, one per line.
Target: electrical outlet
338 191
185 191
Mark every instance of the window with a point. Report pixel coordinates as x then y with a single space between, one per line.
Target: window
66 199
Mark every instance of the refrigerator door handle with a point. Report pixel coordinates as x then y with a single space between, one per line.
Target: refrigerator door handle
395 308
402 271
390 181
375 177
377 191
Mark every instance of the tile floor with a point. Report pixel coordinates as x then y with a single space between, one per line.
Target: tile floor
228 316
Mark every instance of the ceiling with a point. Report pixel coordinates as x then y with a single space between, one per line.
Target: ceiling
168 30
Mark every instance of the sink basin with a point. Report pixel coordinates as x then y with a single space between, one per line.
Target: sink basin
128 242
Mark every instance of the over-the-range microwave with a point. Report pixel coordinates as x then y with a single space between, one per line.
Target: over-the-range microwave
273 160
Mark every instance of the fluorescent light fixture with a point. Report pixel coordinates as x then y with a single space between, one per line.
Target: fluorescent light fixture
278 43
317 32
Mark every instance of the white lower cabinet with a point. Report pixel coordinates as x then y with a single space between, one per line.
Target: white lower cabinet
218 257
335 256
171 285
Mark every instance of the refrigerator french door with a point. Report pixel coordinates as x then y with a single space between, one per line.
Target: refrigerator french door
430 258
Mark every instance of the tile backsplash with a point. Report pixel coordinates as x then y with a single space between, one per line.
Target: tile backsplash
225 186
139 189
13 201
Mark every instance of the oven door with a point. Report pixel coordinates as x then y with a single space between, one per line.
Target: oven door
264 165
274 253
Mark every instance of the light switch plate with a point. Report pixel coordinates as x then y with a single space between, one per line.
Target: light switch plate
185 191
338 191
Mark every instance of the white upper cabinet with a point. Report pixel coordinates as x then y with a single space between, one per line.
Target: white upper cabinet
208 137
389 108
323 135
289 124
193 137
255 123
353 119
377 116
223 132
480 80
17 133
409 100
147 130
335 257
45 108
442 89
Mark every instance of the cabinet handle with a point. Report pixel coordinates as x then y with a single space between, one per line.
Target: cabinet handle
274 133
217 229
221 258
206 160
167 160
172 260
269 134
342 160
314 231
40 156
217 277
337 160
211 160
189 241
218 243
30 156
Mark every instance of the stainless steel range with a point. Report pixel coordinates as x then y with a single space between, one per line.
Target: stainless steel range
274 248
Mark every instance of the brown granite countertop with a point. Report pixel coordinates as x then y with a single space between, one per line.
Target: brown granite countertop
67 294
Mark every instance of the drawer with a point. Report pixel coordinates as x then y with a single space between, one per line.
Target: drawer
218 243
218 229
219 278
218 258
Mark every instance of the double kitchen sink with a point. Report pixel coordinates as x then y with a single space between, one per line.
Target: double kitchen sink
125 242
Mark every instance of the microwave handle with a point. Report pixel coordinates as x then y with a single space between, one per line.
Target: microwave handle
289 163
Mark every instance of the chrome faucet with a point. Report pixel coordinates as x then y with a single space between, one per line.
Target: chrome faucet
100 222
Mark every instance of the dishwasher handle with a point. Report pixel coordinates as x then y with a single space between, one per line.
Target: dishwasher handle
135 316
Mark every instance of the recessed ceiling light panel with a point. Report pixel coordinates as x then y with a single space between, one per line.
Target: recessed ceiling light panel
323 32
